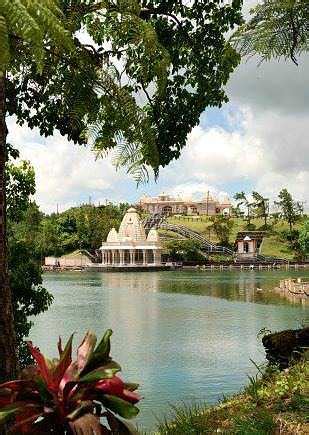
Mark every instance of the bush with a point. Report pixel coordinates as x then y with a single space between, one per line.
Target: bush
62 396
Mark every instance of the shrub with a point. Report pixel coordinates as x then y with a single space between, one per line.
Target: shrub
69 397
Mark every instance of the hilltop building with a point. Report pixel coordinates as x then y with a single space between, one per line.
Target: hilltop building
130 247
170 205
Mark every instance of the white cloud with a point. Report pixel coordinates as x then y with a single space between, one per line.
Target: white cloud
66 174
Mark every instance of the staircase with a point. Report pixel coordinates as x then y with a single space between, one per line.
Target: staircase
158 220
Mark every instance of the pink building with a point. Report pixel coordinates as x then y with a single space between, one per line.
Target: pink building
171 205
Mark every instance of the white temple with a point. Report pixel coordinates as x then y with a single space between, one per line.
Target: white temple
130 247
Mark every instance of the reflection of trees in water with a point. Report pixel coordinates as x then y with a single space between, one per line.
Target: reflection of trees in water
247 287
239 286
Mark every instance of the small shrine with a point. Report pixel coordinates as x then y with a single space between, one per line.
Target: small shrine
248 245
130 247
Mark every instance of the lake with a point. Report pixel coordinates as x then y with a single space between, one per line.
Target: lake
185 336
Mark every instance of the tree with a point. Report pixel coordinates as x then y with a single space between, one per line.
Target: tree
165 62
303 239
278 28
29 298
222 227
243 201
261 206
184 250
290 210
171 56
24 26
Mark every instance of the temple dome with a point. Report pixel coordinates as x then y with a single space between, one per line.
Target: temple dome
153 236
131 227
112 236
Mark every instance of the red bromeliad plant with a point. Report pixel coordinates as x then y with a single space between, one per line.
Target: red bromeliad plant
62 396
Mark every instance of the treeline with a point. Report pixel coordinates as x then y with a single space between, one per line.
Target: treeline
256 205
81 227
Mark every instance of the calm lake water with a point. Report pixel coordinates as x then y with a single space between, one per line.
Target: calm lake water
184 336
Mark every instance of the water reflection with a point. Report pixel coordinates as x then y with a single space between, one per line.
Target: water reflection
183 335
247 286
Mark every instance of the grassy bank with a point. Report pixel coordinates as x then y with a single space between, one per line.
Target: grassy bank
273 403
274 244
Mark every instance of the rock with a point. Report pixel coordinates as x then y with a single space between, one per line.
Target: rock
287 346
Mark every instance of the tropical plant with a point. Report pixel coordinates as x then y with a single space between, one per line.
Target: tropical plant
277 28
62 396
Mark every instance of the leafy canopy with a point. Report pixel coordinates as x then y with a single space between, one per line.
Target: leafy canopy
277 28
34 23
138 86
290 210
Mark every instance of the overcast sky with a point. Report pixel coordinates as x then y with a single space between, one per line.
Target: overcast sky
259 140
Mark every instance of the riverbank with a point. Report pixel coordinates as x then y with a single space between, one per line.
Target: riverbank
274 402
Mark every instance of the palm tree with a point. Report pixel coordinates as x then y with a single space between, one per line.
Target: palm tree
25 27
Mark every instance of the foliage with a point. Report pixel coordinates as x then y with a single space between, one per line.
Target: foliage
303 238
277 28
82 227
184 250
29 298
140 87
273 401
260 206
243 201
222 227
290 210
69 397
33 23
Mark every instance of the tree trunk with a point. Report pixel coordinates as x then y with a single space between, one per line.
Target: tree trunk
8 358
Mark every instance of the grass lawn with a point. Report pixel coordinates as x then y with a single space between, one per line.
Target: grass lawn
276 402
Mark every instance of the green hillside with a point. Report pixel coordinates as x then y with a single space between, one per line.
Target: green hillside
274 244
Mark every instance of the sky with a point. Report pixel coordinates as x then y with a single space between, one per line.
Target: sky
257 141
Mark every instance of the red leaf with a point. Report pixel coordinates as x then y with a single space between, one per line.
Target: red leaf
25 419
18 385
59 345
116 387
6 397
70 377
41 362
64 362
85 350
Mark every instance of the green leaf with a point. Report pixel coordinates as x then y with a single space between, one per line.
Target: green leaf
119 406
100 354
105 372
7 413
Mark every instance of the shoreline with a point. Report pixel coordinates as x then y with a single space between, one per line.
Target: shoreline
197 268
